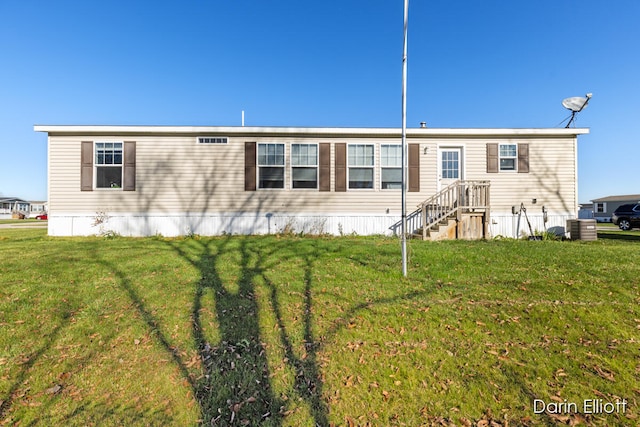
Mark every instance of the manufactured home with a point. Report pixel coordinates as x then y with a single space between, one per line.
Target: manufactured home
604 207
178 180
13 207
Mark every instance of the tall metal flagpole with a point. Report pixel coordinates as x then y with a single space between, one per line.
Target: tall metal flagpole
404 141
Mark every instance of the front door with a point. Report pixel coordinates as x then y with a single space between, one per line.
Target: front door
450 167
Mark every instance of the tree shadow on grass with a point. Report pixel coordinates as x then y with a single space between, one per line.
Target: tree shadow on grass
308 382
236 384
235 388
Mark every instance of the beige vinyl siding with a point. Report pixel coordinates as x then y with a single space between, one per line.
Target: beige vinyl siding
175 175
551 179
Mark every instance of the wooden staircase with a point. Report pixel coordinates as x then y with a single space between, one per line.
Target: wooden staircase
459 211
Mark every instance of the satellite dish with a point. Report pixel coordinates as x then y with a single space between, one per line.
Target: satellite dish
575 104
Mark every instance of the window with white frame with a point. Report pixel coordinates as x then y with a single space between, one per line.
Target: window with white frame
360 161
600 207
304 166
450 164
508 157
391 167
108 164
270 165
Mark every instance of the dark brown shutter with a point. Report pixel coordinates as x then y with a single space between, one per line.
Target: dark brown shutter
492 158
325 167
523 158
86 166
129 165
249 166
414 167
341 167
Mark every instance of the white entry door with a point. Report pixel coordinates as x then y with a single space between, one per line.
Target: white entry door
450 167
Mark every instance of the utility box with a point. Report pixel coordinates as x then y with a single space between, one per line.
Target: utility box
582 229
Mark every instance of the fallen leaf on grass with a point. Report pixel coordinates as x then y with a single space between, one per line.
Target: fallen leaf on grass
54 390
604 373
561 373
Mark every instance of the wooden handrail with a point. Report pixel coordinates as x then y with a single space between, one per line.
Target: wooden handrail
457 198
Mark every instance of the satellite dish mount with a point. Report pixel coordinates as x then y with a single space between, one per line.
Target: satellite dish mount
575 104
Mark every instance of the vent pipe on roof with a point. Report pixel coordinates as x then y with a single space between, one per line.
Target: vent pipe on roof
242 118
423 125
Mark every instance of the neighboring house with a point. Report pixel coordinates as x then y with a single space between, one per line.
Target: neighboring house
585 211
13 206
176 180
37 208
604 207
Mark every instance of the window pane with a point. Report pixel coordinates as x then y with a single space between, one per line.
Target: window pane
507 164
352 149
508 150
304 177
391 178
108 153
391 155
304 174
271 154
450 165
360 178
304 155
360 155
271 177
109 177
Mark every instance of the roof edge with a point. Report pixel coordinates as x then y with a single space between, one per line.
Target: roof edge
271 130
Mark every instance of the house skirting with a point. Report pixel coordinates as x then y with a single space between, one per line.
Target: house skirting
170 225
508 225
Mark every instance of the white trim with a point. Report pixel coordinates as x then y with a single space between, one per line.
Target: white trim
515 158
96 166
291 166
87 130
382 167
283 166
576 208
372 167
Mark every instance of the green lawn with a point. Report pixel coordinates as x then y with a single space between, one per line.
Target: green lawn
291 331
22 221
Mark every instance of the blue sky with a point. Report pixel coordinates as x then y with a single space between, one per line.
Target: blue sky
321 63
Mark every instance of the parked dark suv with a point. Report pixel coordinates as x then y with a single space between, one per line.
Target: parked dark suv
627 216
